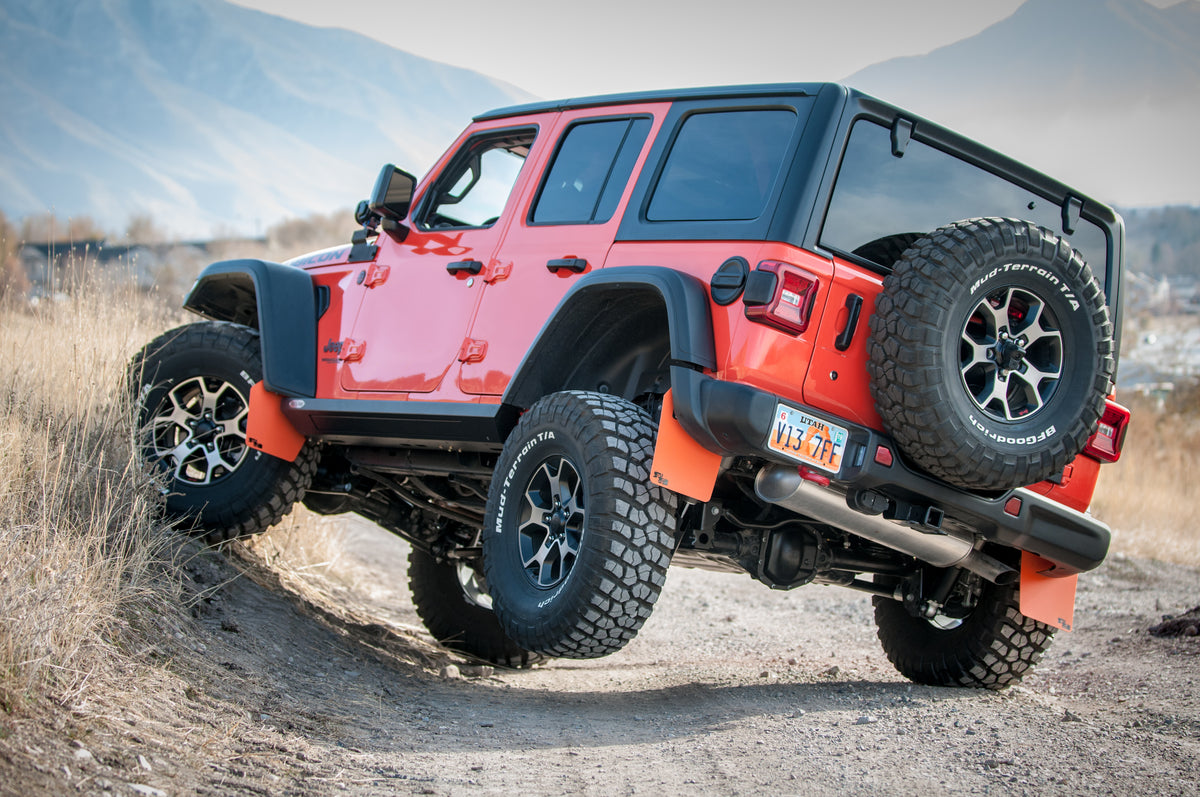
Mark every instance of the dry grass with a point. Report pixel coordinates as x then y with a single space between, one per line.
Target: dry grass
79 533
1150 497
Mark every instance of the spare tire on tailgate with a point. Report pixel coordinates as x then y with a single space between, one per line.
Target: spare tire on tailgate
991 353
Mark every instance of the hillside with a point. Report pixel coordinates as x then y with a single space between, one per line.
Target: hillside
1163 242
209 116
1104 94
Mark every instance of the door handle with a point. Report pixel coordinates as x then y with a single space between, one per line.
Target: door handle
465 267
854 304
572 264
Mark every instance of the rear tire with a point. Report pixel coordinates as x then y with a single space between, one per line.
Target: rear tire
193 388
577 540
991 648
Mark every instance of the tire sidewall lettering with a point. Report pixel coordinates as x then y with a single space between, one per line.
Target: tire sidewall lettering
510 477
536 449
1058 285
1007 440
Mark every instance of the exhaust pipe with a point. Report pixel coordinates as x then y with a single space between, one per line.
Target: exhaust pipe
784 486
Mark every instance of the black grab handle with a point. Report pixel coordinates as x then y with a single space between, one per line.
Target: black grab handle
467 266
854 304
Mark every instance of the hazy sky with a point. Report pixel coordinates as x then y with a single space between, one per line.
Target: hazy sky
560 49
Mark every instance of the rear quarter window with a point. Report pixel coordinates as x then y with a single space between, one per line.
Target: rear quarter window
881 202
722 166
590 171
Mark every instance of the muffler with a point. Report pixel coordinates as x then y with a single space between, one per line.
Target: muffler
784 486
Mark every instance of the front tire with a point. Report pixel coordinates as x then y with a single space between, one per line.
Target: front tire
456 609
576 540
193 398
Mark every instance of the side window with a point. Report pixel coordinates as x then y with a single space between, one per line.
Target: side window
882 203
722 166
589 172
474 187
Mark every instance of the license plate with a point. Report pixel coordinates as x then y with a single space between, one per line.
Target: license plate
800 436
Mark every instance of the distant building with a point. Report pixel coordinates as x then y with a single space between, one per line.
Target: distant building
55 267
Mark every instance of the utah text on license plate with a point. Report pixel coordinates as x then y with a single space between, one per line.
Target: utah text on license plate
800 436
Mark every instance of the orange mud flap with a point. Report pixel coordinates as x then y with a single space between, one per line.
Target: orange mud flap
267 429
680 463
1045 598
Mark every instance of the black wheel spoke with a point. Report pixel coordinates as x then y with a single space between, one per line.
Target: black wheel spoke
553 522
198 435
1011 354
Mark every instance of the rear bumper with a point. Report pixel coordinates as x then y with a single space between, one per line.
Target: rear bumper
732 419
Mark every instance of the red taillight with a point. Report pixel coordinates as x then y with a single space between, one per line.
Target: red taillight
1105 444
787 301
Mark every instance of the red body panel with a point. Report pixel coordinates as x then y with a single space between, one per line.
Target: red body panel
413 325
522 271
1077 485
838 381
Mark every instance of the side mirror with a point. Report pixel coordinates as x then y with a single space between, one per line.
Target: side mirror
392 194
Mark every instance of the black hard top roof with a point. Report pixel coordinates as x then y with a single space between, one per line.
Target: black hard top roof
664 95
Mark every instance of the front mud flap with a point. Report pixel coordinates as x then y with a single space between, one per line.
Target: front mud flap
1045 598
266 427
680 463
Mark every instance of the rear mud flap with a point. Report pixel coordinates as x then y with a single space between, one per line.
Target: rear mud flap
1045 598
680 463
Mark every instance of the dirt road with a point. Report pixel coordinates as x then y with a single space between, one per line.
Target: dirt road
729 689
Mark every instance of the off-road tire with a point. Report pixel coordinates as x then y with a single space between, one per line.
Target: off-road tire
592 451
991 353
204 364
455 619
992 648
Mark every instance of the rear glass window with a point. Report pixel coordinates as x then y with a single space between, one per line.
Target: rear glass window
881 203
590 171
722 166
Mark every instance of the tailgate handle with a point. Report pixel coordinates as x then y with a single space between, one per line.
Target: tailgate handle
573 264
854 304
465 266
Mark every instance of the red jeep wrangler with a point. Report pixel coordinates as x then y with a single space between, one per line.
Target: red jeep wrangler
783 330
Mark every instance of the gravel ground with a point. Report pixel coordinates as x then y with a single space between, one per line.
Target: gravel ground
731 688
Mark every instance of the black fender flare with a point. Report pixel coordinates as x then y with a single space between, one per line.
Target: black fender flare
688 319
277 300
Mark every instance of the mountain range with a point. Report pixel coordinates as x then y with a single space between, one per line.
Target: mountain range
213 118
208 116
1103 94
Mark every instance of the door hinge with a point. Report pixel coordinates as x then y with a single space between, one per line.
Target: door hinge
352 350
497 272
376 275
472 351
